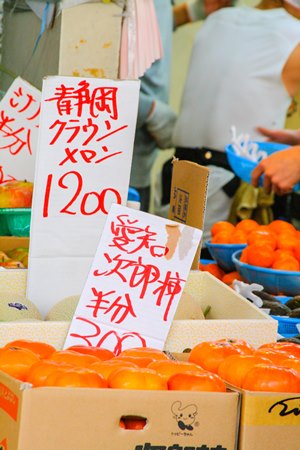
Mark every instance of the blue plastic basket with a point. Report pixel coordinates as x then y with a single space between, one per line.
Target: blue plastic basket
274 281
287 326
243 167
222 254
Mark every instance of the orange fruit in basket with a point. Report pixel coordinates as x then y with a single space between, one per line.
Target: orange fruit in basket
296 251
210 354
168 368
222 237
75 377
208 382
73 358
235 368
287 241
281 226
260 255
214 269
283 253
247 225
286 263
138 361
244 257
222 225
289 347
38 373
149 352
16 361
292 363
136 378
262 236
238 237
229 278
101 353
105 368
268 378
42 349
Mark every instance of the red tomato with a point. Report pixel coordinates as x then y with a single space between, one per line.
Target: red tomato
272 379
190 381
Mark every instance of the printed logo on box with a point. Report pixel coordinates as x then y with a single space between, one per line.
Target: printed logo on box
3 444
185 416
8 402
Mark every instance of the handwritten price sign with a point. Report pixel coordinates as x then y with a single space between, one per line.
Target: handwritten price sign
85 148
19 122
135 282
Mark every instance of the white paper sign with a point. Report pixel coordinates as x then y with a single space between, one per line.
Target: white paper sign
135 282
84 158
19 122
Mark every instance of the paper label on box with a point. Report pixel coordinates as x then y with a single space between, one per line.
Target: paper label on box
271 409
19 122
85 146
135 282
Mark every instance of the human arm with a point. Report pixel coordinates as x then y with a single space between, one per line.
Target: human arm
193 10
281 171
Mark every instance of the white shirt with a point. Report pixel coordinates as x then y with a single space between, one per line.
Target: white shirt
234 77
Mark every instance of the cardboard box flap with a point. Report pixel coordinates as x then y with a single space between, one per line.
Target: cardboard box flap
188 196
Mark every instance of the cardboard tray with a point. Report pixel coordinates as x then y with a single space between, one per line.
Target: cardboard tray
231 316
88 419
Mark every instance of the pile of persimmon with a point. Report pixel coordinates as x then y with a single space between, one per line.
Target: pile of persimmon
144 368
273 367
275 246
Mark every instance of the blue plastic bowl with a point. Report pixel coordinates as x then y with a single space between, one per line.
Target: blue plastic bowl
222 254
242 166
274 281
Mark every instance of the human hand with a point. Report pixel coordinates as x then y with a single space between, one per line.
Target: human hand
160 124
290 137
281 171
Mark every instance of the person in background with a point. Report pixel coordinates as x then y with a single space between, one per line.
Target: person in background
193 10
156 119
244 69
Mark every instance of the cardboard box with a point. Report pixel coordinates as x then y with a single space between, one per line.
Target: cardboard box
82 41
88 419
231 316
269 421
10 242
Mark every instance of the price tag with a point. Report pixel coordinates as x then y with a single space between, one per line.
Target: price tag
84 158
135 282
19 122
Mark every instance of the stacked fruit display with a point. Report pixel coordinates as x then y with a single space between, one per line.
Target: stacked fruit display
272 367
15 207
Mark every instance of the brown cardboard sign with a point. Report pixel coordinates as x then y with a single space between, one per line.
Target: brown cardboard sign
188 196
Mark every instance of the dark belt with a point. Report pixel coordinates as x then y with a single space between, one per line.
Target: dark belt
207 156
